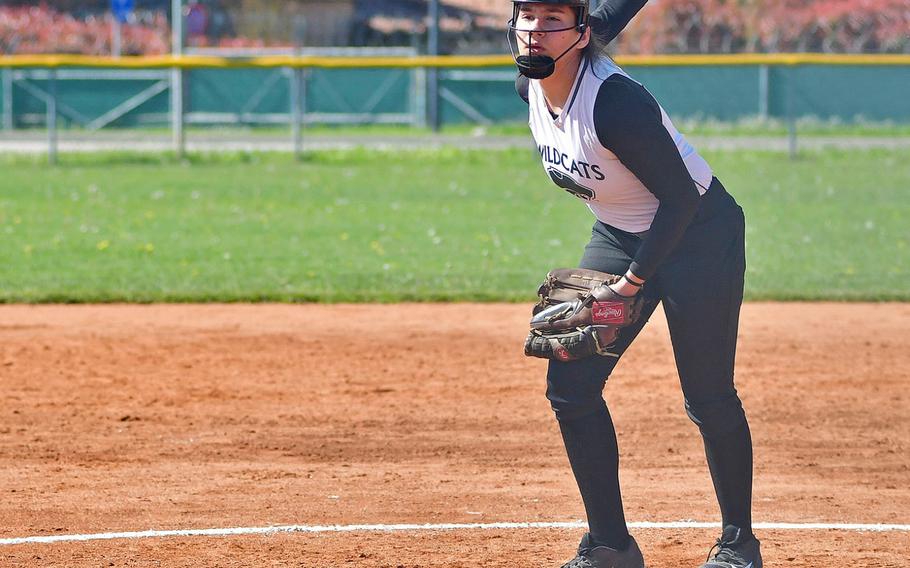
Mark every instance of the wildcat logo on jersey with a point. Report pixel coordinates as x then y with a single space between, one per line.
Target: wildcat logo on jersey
566 182
580 169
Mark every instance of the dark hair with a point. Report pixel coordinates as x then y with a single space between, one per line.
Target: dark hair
596 47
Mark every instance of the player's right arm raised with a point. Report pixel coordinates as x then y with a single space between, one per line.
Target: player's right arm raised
612 16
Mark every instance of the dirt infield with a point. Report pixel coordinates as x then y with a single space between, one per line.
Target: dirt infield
125 418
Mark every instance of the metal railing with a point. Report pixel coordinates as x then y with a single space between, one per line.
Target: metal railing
168 71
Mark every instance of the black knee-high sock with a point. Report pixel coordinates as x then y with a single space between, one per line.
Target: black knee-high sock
593 452
730 462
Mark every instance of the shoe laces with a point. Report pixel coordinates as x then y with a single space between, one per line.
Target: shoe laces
580 561
724 552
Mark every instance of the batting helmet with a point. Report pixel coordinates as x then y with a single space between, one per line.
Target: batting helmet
542 66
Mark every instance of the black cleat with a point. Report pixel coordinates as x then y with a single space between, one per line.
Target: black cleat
735 550
592 556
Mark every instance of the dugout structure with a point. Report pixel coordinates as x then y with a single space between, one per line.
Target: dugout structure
71 91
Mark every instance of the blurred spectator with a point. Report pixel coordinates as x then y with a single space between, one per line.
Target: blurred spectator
196 21
220 24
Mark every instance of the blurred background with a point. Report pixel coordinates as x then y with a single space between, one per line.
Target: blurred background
781 97
466 26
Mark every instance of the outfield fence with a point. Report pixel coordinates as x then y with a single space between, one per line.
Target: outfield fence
92 93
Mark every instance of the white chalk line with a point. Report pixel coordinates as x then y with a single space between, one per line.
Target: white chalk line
436 527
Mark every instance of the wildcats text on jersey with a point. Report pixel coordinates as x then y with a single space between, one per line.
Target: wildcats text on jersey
553 156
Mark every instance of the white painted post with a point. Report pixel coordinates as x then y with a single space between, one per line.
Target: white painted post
7 98
296 93
433 73
116 38
51 107
791 114
177 118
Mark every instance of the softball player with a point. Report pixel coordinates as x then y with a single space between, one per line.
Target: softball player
668 225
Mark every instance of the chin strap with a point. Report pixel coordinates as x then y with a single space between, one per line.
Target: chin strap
538 66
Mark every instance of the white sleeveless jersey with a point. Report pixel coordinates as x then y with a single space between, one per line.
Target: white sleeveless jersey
575 159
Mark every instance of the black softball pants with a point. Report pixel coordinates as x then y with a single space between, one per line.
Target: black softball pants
700 285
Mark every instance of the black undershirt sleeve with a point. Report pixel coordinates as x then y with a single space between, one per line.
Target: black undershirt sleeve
607 20
612 16
628 122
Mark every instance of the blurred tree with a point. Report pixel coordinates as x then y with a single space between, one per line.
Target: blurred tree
664 26
730 26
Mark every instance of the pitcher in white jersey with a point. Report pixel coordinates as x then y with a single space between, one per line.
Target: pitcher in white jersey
665 223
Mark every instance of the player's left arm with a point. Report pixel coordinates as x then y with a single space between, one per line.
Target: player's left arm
612 16
628 122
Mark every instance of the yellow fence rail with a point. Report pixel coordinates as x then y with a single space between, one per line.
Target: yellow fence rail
445 61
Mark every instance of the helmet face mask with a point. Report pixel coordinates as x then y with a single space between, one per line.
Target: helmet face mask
542 66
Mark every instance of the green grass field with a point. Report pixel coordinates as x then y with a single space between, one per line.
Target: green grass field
447 224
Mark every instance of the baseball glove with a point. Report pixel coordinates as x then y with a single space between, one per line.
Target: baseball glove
578 315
